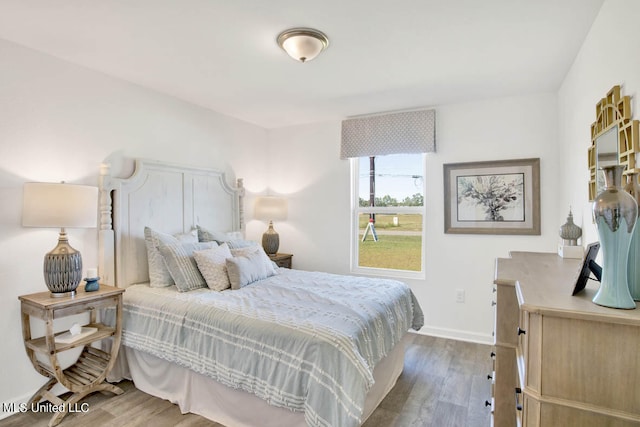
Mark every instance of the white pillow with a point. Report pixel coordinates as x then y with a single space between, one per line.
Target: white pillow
159 276
213 267
271 266
246 269
246 250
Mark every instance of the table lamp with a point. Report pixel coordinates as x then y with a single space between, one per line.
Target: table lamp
60 206
271 208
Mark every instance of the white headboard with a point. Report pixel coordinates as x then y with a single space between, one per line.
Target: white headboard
169 198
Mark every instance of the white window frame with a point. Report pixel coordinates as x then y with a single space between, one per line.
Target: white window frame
357 210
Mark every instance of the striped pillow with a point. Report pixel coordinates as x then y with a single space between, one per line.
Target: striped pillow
159 276
182 266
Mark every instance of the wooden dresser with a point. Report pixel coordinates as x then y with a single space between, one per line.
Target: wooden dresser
561 360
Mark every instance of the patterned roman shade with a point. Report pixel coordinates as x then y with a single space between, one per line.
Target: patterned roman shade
393 133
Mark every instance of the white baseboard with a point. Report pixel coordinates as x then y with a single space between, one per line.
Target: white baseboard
456 334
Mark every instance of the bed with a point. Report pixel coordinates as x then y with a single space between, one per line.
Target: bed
281 348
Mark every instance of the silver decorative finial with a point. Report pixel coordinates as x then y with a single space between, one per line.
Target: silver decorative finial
569 232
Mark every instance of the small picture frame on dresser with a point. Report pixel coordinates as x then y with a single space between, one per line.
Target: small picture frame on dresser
589 266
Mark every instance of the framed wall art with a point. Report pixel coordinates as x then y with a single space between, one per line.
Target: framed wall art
495 197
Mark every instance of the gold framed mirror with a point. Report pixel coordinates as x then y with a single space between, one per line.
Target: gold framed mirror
614 138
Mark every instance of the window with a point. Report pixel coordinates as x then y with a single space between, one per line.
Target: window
388 214
388 190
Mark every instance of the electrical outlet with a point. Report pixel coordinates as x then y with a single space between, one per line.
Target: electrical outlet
459 295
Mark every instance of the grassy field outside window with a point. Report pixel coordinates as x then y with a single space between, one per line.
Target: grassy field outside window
399 244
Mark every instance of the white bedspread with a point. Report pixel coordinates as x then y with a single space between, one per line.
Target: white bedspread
300 340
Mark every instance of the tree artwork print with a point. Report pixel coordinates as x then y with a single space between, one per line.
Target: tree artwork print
493 198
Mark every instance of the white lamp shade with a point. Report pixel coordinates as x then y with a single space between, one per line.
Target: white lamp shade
303 48
59 205
271 208
303 44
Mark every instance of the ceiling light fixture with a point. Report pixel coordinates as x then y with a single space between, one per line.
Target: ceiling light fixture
303 44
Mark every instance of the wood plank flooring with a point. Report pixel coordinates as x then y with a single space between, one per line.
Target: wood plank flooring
444 384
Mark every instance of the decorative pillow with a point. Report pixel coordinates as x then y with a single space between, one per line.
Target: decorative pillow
243 270
159 276
241 243
213 267
246 251
179 260
205 235
233 238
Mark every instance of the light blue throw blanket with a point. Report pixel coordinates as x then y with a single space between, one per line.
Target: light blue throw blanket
300 340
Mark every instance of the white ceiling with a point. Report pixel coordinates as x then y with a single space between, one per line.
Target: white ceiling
383 55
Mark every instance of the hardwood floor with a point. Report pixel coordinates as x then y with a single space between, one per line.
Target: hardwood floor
444 383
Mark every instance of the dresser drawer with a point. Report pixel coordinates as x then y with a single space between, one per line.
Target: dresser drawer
504 383
571 372
550 414
591 363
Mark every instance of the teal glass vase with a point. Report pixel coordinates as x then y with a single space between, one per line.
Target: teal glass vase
615 213
633 263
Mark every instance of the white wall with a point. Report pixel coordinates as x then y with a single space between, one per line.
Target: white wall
304 166
304 163
58 122
608 57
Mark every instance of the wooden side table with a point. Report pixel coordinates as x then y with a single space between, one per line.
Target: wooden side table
88 374
282 260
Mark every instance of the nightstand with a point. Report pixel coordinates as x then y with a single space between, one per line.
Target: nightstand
88 373
282 260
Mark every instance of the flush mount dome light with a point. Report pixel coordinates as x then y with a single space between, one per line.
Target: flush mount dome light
303 44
